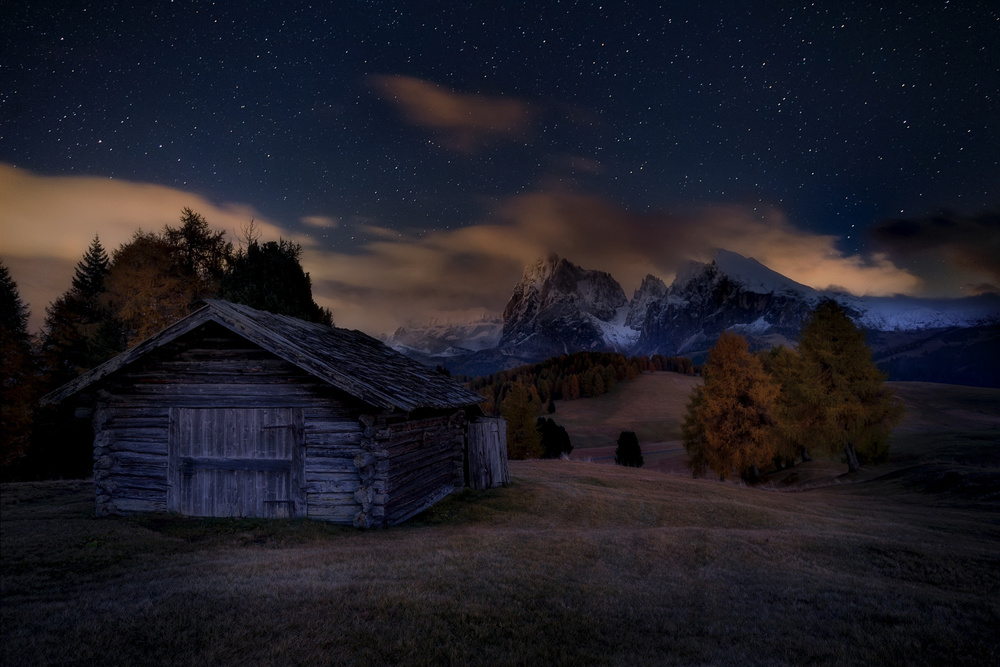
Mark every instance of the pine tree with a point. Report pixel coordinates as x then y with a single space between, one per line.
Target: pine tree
88 279
523 438
555 439
728 427
18 377
79 331
854 411
628 453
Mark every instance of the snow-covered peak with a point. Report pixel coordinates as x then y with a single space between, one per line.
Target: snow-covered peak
902 313
650 292
755 276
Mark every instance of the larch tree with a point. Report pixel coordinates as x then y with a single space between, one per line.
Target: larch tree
523 439
796 418
730 417
852 410
144 290
198 253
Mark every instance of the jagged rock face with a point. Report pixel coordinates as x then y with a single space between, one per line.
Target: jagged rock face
558 307
650 292
440 338
705 300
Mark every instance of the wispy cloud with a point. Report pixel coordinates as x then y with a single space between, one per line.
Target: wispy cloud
47 223
475 267
320 221
952 251
464 121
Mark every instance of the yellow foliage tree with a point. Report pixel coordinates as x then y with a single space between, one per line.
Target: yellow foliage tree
729 419
841 392
143 289
523 439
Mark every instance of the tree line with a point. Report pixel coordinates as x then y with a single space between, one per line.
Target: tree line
777 406
570 376
524 393
113 302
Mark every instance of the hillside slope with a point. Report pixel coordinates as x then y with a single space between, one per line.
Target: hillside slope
574 563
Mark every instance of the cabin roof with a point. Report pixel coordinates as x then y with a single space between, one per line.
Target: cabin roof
349 360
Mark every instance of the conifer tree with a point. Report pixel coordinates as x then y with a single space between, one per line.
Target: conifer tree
79 331
795 418
143 288
88 278
523 439
18 379
628 453
693 433
270 277
197 251
555 439
852 409
728 426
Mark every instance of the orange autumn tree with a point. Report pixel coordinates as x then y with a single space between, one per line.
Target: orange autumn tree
728 424
523 439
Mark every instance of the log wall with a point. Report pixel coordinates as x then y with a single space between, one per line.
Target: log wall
213 368
408 465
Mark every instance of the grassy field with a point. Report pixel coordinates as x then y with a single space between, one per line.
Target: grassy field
574 563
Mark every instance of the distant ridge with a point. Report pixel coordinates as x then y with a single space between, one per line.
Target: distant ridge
558 307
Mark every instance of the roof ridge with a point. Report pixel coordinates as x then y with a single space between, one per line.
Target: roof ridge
348 359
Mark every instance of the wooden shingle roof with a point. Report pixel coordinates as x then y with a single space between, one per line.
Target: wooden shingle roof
349 360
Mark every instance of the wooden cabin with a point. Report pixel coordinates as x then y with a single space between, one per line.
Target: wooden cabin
233 411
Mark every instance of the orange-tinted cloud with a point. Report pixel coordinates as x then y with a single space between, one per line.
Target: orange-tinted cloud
320 221
47 223
472 269
464 121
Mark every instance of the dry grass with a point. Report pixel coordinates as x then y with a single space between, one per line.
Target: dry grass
575 563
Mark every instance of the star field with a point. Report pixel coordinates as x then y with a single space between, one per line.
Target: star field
388 114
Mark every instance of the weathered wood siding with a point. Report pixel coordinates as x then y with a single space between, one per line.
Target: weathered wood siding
213 369
236 462
486 454
425 463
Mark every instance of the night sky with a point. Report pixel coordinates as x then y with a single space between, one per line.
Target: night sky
422 153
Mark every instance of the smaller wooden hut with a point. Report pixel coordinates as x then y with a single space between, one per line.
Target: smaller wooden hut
233 411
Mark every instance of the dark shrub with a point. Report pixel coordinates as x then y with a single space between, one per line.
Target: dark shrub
628 452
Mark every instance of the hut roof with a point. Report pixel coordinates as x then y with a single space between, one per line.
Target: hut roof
349 360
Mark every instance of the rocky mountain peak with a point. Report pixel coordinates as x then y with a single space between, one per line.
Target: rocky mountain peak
555 300
650 292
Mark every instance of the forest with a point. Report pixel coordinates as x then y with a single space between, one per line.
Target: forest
114 301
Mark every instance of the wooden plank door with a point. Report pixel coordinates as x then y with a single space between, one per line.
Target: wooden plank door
236 462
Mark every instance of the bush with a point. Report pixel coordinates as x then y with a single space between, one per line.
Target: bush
555 439
628 452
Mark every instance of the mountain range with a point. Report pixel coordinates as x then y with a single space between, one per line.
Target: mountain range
558 307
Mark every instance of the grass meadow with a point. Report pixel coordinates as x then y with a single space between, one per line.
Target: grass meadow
574 563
